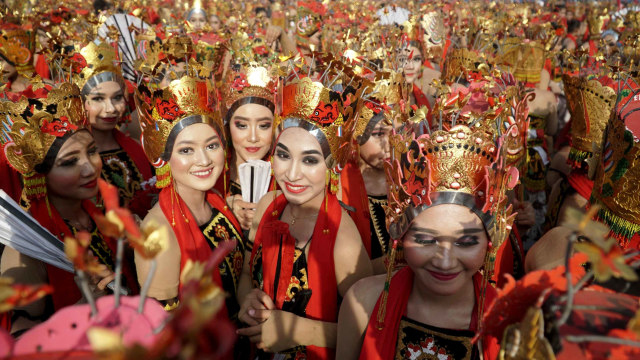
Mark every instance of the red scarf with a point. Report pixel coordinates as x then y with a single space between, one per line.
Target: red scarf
354 194
10 179
276 241
65 290
421 99
141 203
573 38
193 245
581 183
381 344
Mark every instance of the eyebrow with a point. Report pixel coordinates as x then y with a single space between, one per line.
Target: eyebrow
119 92
282 146
75 152
189 142
465 231
311 152
236 117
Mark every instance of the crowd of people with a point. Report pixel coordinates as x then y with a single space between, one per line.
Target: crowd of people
320 180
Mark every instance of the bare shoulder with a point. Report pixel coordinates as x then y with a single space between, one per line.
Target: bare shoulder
155 214
366 292
549 251
264 203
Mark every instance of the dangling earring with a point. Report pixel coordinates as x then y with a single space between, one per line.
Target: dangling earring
274 187
163 176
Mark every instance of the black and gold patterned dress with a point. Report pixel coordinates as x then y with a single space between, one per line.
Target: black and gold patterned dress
98 245
234 188
421 341
119 170
218 229
379 234
297 296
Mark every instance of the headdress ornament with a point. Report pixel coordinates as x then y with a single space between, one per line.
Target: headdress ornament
31 126
309 20
618 168
329 115
93 64
525 59
185 101
459 64
17 45
590 103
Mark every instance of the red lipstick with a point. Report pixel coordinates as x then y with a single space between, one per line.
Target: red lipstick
252 149
442 276
294 189
90 185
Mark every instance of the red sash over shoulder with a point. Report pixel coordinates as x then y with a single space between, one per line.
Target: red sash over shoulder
193 245
276 241
381 344
355 194
65 290
141 203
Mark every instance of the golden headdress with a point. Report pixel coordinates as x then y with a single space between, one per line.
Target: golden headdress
93 64
252 76
524 58
458 64
17 46
462 161
195 7
34 129
590 103
327 114
165 112
618 168
309 21
595 23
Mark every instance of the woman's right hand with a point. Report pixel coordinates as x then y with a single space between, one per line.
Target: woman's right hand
251 310
244 211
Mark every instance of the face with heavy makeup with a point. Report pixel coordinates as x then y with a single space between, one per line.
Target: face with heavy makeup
411 59
445 246
197 158
299 166
197 19
105 105
376 150
75 171
251 131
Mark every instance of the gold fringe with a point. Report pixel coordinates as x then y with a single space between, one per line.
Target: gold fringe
163 176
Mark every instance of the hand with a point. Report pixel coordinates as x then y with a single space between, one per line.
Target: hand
253 308
273 34
243 211
277 333
526 216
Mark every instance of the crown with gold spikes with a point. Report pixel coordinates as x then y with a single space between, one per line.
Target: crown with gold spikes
524 58
459 63
590 103
92 65
595 23
462 161
618 166
328 114
18 46
188 100
309 20
31 126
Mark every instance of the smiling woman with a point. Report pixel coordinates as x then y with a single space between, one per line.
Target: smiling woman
183 137
249 103
105 102
450 218
59 161
307 250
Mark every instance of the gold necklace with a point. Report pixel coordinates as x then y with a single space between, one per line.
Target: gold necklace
293 221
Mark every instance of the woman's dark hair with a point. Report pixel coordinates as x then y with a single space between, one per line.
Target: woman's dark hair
572 25
100 5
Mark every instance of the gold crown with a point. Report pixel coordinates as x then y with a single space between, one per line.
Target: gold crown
249 83
93 64
458 64
18 46
30 126
379 103
590 104
462 162
595 22
309 20
617 174
188 98
525 59
311 105
463 165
